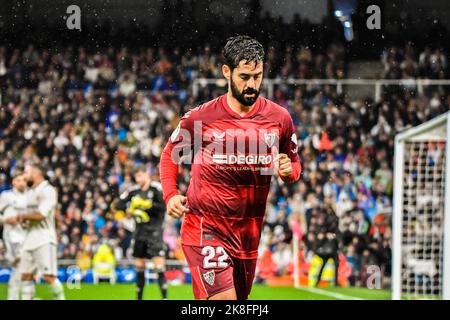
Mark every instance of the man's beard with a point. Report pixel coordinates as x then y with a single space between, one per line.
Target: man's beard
240 96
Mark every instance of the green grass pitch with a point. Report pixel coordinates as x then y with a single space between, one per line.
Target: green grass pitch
107 291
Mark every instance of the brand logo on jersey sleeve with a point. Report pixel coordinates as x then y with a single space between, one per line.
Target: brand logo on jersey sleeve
294 140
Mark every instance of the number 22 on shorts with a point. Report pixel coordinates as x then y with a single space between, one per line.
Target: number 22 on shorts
210 252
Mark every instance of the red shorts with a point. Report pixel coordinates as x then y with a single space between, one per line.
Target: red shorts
214 271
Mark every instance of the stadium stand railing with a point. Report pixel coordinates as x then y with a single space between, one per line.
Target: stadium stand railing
377 84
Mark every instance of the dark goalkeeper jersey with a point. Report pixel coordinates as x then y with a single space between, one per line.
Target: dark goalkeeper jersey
146 206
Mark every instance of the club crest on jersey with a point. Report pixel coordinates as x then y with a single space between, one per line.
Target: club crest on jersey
270 138
209 277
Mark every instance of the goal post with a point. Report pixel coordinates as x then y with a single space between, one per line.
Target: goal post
421 212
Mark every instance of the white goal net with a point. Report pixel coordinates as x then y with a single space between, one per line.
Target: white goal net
421 212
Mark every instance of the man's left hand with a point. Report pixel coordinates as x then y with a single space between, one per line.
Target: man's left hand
284 165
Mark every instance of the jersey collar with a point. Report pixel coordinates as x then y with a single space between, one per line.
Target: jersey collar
41 185
251 113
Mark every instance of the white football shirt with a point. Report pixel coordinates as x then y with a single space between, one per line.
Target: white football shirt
42 199
13 203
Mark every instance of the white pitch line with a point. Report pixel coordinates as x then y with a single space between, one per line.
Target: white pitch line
330 294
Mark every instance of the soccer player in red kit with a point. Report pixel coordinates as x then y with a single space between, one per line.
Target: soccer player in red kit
235 143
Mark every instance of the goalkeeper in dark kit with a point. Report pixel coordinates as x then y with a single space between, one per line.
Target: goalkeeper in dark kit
145 203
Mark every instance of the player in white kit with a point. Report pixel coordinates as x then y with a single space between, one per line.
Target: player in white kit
39 251
12 203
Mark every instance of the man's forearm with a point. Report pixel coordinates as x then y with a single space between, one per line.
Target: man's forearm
34 216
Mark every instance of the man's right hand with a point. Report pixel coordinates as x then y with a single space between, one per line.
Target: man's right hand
175 206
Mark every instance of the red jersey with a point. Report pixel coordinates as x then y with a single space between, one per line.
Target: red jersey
232 158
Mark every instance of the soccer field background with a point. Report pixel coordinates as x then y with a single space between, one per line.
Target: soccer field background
184 292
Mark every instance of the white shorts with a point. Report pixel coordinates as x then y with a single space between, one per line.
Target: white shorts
42 259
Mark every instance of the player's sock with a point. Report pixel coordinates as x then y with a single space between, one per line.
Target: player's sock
140 282
57 290
27 289
162 281
14 285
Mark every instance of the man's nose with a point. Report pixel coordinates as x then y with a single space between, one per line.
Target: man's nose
251 83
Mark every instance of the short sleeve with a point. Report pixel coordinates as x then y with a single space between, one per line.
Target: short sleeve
47 201
3 201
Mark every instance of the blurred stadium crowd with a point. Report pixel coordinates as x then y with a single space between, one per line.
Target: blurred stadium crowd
92 116
406 63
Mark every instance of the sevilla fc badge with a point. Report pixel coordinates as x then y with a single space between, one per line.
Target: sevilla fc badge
269 138
210 277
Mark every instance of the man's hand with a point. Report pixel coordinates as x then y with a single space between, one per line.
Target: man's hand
175 206
284 164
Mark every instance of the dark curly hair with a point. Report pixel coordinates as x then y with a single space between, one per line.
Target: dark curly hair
242 47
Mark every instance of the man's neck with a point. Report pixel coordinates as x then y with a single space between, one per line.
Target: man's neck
236 106
37 182
146 186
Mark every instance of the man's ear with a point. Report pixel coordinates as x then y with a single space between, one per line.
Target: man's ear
226 72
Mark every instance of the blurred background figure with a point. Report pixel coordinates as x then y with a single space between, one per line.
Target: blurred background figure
104 265
327 246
